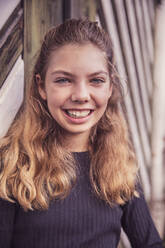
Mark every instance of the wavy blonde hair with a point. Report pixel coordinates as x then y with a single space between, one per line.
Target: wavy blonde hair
35 167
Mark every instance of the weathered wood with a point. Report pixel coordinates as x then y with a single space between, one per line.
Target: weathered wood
66 9
89 9
158 115
148 32
39 16
10 42
72 9
135 41
143 43
107 11
79 9
130 65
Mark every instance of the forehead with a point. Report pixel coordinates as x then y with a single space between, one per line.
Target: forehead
76 55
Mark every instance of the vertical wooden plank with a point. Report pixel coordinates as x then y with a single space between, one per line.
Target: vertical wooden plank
80 9
135 41
148 32
76 8
66 9
108 14
90 7
132 76
144 48
39 16
152 8
158 115
11 42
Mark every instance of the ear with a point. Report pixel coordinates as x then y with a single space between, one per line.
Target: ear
41 88
110 90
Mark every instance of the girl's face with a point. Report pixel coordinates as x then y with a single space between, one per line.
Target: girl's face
77 87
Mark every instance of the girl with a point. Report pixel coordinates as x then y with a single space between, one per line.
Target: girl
68 173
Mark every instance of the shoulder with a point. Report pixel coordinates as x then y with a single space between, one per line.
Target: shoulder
7 208
7 217
136 209
139 199
137 222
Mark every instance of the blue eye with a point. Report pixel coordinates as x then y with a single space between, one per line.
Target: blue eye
97 80
62 80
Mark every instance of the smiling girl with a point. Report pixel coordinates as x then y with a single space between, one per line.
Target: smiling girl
76 93
68 173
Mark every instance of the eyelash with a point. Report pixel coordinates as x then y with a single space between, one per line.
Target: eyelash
62 80
97 80
67 80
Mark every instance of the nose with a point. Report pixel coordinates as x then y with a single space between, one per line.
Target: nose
80 93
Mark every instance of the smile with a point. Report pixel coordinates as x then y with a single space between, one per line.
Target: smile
78 113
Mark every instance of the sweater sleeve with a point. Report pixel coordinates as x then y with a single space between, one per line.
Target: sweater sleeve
138 224
7 214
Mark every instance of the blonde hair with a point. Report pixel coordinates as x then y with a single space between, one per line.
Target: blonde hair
35 167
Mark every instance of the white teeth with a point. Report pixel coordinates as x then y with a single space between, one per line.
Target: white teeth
78 114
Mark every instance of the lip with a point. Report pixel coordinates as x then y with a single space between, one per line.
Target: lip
78 120
77 109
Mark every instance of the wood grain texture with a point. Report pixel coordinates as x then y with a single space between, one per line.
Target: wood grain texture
11 43
39 16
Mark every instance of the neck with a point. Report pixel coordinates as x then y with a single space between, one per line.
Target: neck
76 142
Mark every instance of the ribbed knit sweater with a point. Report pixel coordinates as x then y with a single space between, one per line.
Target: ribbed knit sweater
81 220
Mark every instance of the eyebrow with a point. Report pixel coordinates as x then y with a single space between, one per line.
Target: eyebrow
72 75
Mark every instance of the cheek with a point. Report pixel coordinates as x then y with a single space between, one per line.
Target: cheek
52 102
56 100
54 96
102 98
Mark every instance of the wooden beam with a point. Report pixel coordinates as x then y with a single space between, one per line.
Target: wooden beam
11 42
90 7
39 16
80 9
107 11
138 58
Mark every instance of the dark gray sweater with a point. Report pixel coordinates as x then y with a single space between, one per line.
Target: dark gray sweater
81 220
